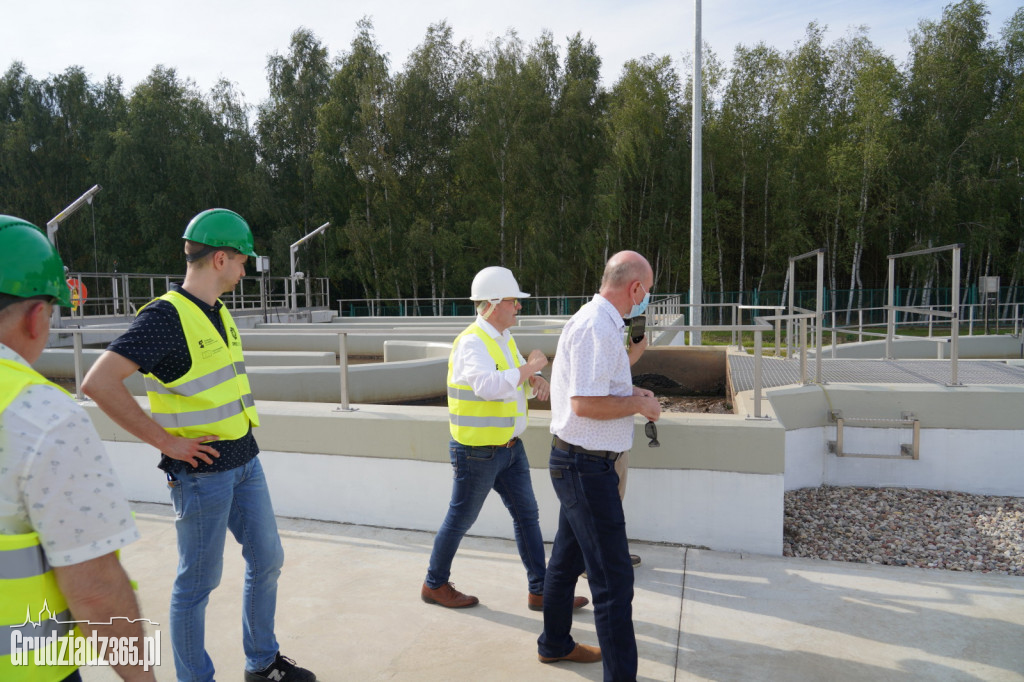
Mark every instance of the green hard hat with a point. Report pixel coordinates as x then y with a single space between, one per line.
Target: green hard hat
29 263
221 227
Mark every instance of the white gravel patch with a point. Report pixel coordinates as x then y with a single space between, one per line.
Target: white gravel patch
900 527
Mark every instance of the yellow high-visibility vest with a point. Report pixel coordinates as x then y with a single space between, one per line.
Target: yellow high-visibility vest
213 397
471 419
15 377
28 586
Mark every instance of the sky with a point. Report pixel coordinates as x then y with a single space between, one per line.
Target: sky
207 40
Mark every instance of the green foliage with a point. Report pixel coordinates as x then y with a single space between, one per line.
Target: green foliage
517 154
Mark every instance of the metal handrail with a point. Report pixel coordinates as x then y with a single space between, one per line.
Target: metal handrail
124 297
819 290
77 334
954 314
761 324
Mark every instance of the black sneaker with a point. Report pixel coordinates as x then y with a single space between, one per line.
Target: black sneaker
281 670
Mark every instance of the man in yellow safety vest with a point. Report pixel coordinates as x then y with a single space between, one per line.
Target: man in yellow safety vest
187 346
487 382
62 513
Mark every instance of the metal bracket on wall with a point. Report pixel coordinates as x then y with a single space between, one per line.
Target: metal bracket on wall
910 450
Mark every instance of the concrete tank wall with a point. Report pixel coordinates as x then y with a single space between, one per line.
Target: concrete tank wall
372 343
716 481
970 436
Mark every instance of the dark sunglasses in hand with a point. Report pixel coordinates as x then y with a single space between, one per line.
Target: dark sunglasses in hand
651 431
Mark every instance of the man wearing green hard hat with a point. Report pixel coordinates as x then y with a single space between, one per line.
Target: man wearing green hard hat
202 413
62 513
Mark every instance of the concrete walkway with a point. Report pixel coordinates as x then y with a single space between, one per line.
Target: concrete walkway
349 609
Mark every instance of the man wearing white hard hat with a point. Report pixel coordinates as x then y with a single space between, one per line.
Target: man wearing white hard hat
488 380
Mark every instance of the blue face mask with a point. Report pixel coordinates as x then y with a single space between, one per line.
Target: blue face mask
639 308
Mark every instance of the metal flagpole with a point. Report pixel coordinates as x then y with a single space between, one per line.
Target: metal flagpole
696 203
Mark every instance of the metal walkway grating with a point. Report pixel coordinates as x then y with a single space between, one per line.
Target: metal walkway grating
780 372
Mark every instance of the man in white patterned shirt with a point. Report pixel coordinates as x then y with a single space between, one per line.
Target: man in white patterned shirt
61 505
593 401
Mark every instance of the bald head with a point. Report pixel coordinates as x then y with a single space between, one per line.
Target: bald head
624 268
627 278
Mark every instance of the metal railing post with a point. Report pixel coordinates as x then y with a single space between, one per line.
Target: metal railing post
803 350
343 371
77 338
789 310
778 336
757 374
891 299
819 317
735 311
954 322
833 335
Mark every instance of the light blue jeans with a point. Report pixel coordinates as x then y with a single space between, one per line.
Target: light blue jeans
207 505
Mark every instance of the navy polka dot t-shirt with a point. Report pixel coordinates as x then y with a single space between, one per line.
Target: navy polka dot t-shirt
156 342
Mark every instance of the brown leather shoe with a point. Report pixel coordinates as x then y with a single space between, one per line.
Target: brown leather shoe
536 602
581 654
447 596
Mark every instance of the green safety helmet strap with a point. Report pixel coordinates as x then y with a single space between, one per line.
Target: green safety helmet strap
221 227
29 264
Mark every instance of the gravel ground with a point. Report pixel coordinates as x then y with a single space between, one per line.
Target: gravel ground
900 527
712 405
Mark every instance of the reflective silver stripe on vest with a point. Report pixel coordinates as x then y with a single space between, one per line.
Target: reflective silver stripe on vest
181 420
468 395
199 384
482 422
464 394
44 629
26 562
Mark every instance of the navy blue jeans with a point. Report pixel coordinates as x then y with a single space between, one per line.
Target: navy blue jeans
477 471
592 536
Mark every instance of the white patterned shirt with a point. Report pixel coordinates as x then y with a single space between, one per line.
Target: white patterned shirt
56 478
591 360
473 366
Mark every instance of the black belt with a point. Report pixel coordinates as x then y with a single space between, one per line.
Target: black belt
560 444
503 445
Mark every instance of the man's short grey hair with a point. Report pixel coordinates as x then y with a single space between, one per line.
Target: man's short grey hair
482 306
9 305
622 273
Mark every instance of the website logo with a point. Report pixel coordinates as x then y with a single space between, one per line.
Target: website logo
50 640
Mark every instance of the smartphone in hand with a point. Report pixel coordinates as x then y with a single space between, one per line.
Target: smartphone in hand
637 325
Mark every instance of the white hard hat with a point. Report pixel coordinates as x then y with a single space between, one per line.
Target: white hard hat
495 283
